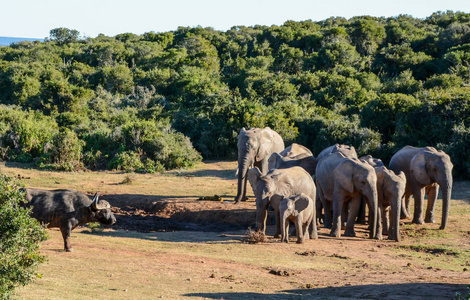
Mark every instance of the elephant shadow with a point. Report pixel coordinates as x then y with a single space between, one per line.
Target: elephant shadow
379 291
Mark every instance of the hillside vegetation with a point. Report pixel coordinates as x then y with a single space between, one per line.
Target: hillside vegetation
165 100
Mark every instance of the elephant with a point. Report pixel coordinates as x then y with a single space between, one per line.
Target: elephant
255 146
348 151
300 210
426 169
294 155
271 188
390 190
340 181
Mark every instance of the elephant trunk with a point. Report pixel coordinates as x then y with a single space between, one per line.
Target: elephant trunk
244 164
373 203
284 229
261 215
446 188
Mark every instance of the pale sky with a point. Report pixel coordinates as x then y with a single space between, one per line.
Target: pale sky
35 18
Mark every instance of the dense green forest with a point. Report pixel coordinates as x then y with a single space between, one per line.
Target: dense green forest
165 100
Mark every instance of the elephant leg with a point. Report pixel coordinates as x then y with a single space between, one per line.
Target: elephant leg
419 203
313 227
319 206
344 214
336 222
299 227
385 220
277 214
354 206
305 232
432 195
327 207
380 211
361 218
405 207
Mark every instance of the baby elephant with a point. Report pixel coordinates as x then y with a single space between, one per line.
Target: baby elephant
300 210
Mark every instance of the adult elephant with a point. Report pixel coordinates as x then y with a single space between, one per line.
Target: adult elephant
278 184
255 146
347 151
342 181
294 155
426 169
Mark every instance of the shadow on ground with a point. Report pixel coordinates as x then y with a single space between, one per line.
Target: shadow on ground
151 213
426 291
177 236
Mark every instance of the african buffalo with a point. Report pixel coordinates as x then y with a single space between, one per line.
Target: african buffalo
68 209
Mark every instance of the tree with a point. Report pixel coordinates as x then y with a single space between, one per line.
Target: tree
19 240
64 35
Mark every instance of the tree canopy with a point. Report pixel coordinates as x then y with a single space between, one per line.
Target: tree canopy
165 100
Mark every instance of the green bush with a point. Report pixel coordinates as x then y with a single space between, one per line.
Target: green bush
127 161
19 240
65 152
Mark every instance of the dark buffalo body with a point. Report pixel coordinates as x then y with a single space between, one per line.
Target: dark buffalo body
68 209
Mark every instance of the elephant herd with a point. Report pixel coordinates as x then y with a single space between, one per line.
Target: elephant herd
299 186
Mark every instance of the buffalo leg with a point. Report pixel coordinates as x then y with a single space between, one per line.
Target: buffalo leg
66 235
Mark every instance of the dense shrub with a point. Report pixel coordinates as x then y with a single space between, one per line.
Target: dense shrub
65 152
19 240
140 102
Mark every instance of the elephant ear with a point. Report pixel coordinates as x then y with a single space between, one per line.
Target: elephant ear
265 144
273 161
254 175
418 169
343 175
402 176
302 202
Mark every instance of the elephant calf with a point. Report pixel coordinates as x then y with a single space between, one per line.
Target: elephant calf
390 189
300 210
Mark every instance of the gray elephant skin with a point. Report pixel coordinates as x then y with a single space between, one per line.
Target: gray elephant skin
426 169
299 209
342 181
390 189
347 151
294 155
374 162
278 184
255 146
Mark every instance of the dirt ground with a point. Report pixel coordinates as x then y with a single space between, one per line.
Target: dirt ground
207 231
361 276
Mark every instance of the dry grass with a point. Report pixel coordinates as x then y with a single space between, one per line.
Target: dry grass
116 264
254 236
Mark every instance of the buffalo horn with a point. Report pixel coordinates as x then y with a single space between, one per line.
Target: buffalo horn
99 204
